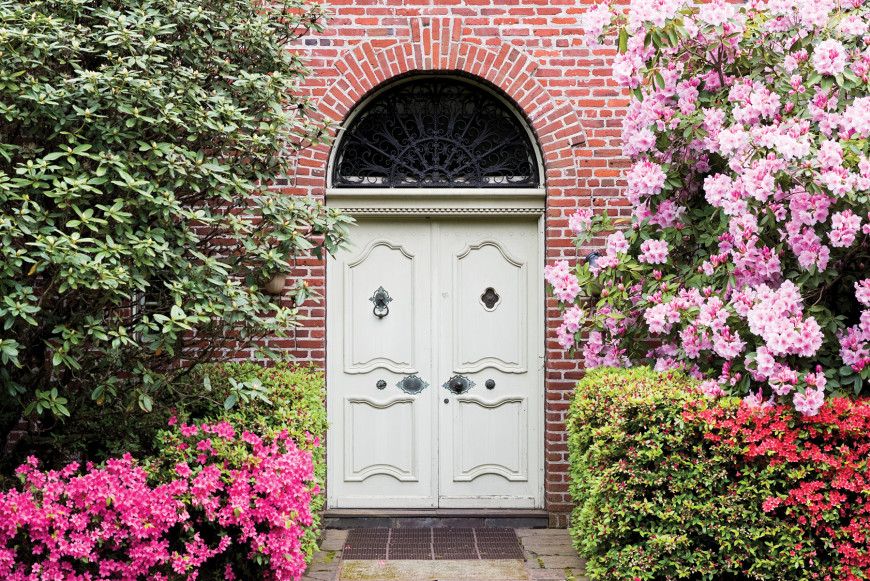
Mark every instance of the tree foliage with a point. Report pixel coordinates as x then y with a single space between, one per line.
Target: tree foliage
136 142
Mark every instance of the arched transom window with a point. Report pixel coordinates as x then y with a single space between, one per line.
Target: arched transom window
436 132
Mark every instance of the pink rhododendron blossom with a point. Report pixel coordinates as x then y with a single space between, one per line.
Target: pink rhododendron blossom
606 261
616 243
716 12
808 247
562 280
638 142
625 70
564 337
728 345
580 221
845 226
830 155
656 12
573 318
596 353
756 400
829 57
809 403
733 140
645 179
862 291
594 22
668 214
712 388
654 252
856 117
853 25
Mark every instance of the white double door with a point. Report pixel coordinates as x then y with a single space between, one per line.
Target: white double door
436 398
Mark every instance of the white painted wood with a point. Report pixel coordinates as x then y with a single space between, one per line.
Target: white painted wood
482 449
380 443
490 441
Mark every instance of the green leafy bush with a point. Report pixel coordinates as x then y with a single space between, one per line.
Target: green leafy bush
136 230
658 498
294 400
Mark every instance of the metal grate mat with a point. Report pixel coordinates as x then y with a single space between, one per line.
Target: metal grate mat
432 544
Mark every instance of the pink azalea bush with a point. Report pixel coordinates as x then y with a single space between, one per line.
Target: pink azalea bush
746 261
217 505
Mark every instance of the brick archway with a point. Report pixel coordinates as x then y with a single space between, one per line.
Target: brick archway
436 45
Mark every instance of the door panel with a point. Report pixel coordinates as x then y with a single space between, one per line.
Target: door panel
466 300
387 342
372 421
483 335
504 421
490 446
380 440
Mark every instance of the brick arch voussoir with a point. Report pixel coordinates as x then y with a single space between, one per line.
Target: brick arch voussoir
556 126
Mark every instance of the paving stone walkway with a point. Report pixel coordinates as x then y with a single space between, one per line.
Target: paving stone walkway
548 553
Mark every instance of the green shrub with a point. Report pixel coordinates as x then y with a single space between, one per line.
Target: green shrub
296 403
137 141
657 499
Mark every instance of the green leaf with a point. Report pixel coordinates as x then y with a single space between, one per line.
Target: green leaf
857 384
623 40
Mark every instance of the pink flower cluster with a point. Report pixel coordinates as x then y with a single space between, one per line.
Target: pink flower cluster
776 316
743 186
114 523
597 353
829 57
855 343
645 179
654 251
563 281
581 221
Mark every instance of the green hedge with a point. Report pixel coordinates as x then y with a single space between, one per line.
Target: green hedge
672 485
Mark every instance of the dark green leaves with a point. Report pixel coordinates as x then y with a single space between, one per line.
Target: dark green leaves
132 197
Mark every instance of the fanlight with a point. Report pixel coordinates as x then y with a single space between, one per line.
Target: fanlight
436 132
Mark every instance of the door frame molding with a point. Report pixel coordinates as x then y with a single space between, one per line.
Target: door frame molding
402 202
538 336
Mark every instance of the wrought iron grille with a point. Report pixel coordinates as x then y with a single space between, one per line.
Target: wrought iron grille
436 133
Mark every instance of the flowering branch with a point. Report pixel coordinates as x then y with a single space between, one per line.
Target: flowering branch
745 260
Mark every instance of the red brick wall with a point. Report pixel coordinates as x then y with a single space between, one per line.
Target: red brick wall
532 50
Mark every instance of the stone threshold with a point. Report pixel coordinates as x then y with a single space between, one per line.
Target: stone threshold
434 517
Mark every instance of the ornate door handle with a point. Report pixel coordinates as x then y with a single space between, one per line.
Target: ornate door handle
458 384
412 385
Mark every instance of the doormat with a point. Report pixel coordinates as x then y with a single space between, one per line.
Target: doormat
436 544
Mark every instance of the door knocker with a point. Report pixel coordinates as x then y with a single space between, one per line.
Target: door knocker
380 299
